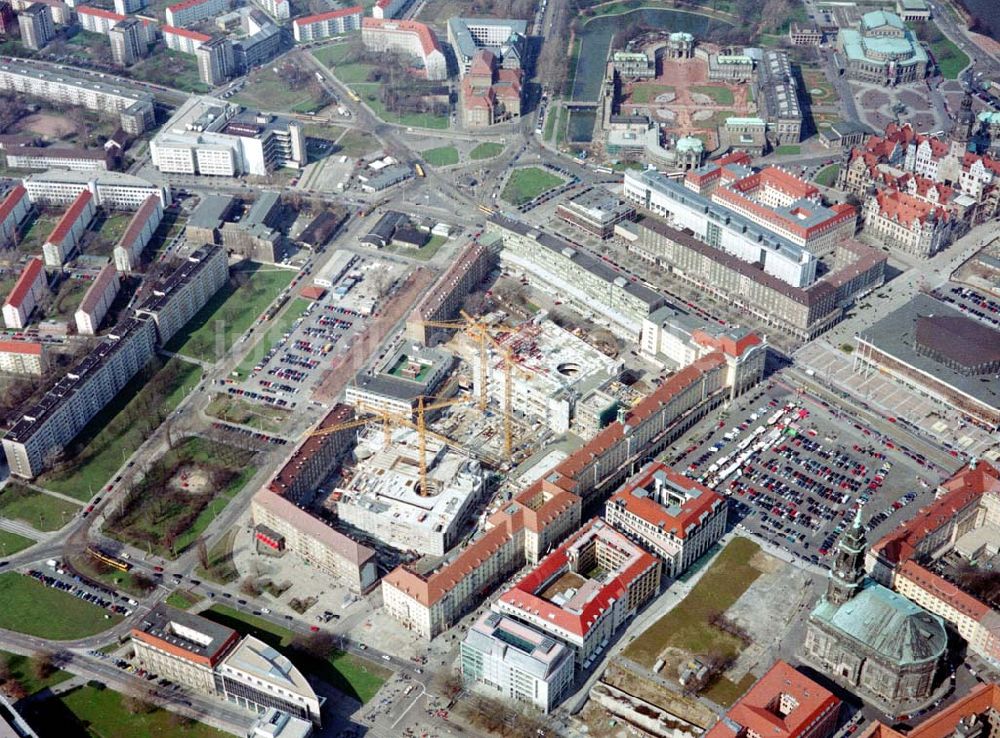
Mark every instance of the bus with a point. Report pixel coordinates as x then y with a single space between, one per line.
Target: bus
419 169
353 95
109 560
485 209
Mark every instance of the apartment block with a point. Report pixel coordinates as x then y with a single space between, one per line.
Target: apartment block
128 42
596 212
125 7
114 190
674 517
98 20
505 659
56 157
65 237
407 38
175 301
30 287
70 404
138 233
215 61
277 9
182 39
385 9
505 38
36 25
13 210
134 108
97 301
189 12
324 25
23 357
575 274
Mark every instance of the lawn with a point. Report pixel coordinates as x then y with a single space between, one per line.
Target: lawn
687 627
426 253
325 132
788 149
369 92
220 561
87 565
182 492
274 330
31 607
121 427
357 143
527 183
36 231
68 298
442 156
170 68
41 511
827 176
112 225
182 599
354 676
349 73
550 122
212 331
950 59
268 90
102 713
720 95
718 119
642 94
486 150
20 670
11 543
259 416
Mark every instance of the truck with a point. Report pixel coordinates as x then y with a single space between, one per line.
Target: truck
52 563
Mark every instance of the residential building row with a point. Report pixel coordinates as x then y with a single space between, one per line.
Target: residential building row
112 190
414 41
31 286
189 12
23 357
97 301
55 157
66 235
137 235
331 23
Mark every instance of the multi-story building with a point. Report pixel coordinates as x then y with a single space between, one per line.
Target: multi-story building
56 157
175 301
324 25
113 190
31 286
98 20
8 20
23 357
277 9
746 134
490 94
445 298
138 233
913 10
938 351
128 41
97 301
883 51
261 41
674 517
973 714
959 525
215 61
189 12
181 647
751 240
778 98
576 275
134 108
13 210
183 40
784 703
908 223
36 26
256 677
257 236
65 237
508 660
561 598
211 137
504 37
396 384
126 7
633 64
410 39
385 9
725 67
802 34
69 405
595 211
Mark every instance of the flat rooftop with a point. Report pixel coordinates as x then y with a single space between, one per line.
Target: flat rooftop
196 635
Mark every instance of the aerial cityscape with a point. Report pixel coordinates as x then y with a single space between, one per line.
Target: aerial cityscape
429 368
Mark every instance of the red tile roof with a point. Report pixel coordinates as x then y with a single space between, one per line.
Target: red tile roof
306 20
98 287
20 347
428 41
907 209
70 217
99 12
185 4
10 202
138 221
983 699
193 35
25 282
313 292
943 590
754 711
687 516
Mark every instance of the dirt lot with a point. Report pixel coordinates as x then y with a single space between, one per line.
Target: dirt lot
46 124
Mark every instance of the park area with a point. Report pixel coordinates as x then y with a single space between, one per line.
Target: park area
282 86
827 176
180 494
442 156
46 612
11 543
525 184
486 150
41 511
233 309
688 629
266 418
120 428
356 677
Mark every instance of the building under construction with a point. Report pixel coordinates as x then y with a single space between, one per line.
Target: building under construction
384 496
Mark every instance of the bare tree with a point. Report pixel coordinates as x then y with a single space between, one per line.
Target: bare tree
202 550
43 665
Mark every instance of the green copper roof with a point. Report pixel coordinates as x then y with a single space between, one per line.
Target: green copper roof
990 116
879 18
888 623
690 143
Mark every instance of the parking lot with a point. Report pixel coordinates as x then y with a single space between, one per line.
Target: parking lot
796 474
317 333
63 579
972 302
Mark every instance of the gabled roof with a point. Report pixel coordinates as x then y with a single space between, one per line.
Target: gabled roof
95 293
24 282
11 201
186 33
320 17
21 347
428 41
70 217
